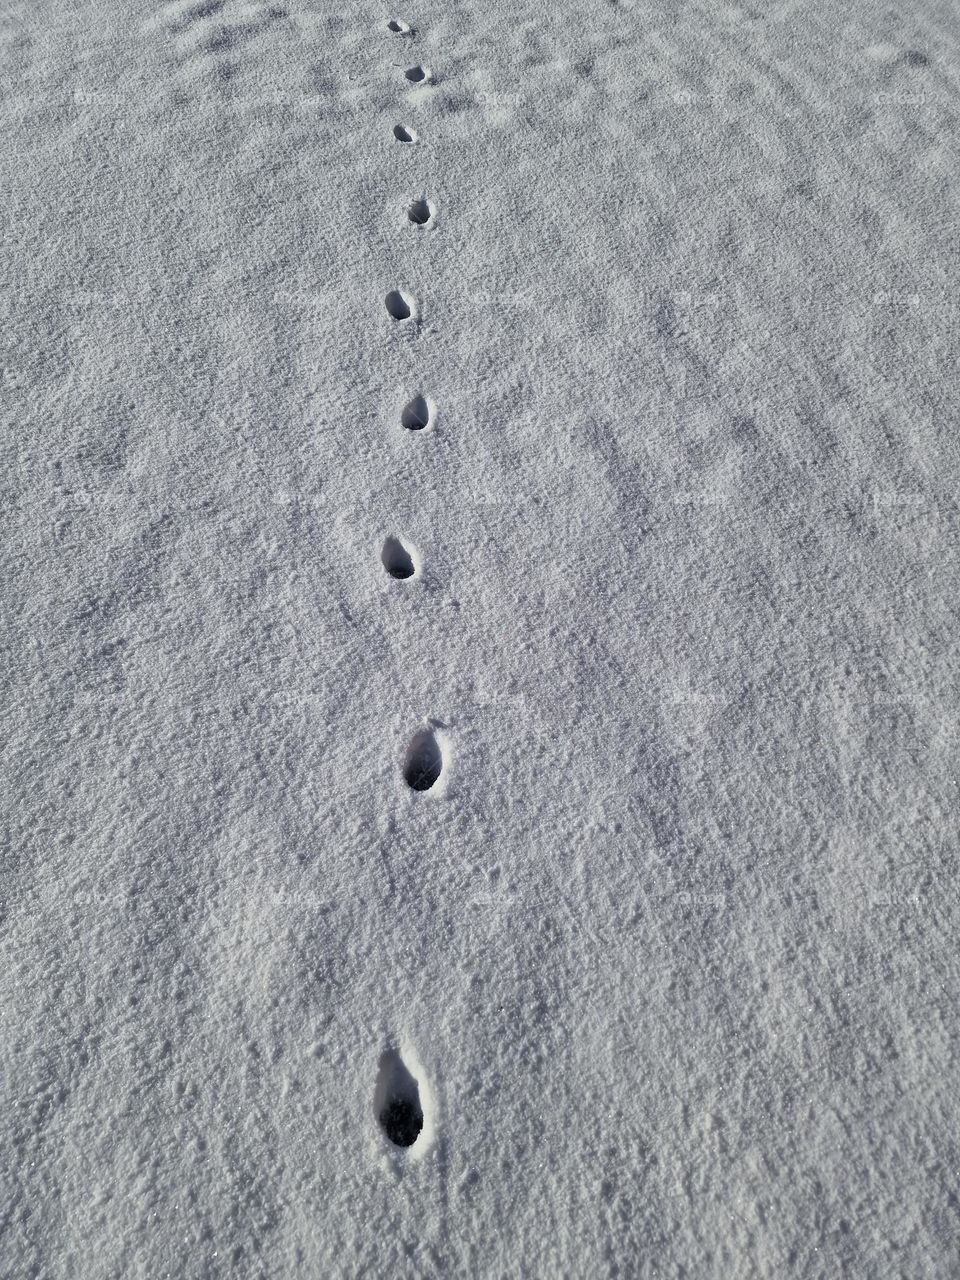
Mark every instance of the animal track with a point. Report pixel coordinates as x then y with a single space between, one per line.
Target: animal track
399 27
421 213
424 761
399 305
398 560
418 414
402 134
419 75
396 1100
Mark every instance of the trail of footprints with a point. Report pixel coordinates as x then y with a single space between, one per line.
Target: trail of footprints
424 762
400 1100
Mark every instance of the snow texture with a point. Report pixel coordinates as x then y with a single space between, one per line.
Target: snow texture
610 855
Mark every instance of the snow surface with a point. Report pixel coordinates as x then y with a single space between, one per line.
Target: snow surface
670 949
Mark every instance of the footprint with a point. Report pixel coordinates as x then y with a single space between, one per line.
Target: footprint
419 75
424 761
398 27
403 134
398 560
396 1100
399 304
419 414
422 213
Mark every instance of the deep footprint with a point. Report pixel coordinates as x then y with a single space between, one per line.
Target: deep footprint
403 135
397 560
419 75
424 762
418 414
399 27
397 1101
421 213
398 305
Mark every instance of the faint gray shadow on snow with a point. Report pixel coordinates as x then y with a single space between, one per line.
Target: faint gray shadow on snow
206 32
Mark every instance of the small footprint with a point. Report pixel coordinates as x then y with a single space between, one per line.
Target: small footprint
422 213
424 761
399 304
398 560
419 75
418 414
403 134
399 27
396 1100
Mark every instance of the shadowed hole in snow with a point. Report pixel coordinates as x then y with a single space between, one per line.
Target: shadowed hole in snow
397 560
424 762
417 74
420 212
397 1101
398 305
403 134
417 414
399 27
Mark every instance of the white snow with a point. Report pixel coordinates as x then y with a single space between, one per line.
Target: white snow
669 436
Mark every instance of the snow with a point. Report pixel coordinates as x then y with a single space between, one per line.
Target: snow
665 958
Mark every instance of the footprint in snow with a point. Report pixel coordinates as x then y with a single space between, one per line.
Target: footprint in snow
419 75
422 213
424 761
400 306
399 27
403 134
418 414
399 560
397 1101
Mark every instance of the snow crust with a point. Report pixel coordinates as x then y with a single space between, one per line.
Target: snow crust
669 437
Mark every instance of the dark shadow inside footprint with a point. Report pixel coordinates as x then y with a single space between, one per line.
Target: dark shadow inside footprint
403 135
397 1101
397 305
420 212
416 74
397 560
398 26
424 762
416 415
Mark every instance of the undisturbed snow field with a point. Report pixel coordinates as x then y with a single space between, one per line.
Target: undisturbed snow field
480 621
